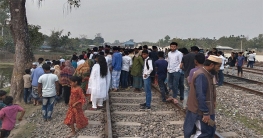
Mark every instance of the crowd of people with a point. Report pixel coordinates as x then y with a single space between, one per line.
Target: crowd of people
89 77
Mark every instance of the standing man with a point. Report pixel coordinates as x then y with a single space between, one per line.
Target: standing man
126 65
200 117
220 73
239 63
116 68
161 71
188 63
174 59
147 69
48 88
34 77
136 70
154 56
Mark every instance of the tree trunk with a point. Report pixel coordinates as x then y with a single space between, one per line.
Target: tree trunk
23 52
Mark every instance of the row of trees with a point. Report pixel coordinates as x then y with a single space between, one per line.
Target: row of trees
232 41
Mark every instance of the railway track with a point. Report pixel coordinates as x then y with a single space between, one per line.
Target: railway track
121 117
243 83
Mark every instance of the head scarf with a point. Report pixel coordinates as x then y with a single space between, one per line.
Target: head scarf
83 70
66 73
57 70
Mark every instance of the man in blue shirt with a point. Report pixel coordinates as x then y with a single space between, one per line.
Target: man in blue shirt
240 62
116 68
35 76
161 70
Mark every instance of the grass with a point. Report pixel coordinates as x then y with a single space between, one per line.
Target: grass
25 129
6 65
7 89
253 124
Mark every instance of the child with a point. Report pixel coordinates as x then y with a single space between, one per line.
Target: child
147 69
161 70
75 113
27 86
8 116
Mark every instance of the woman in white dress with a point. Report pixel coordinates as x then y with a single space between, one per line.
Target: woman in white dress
99 82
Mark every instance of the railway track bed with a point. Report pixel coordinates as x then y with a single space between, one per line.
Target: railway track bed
243 83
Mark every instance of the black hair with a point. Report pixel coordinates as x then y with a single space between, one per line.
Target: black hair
184 51
57 62
115 48
76 79
145 51
8 100
27 71
74 58
240 53
46 67
41 59
49 63
209 62
107 51
194 48
140 48
210 53
95 49
126 52
154 47
161 54
101 53
173 43
2 92
200 58
81 57
103 66
145 46
220 52
215 49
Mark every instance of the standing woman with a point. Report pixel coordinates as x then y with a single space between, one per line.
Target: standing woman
83 71
65 75
57 72
99 82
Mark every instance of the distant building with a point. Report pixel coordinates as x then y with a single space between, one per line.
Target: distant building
129 43
45 48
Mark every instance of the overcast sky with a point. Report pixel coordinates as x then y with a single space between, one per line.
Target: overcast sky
149 20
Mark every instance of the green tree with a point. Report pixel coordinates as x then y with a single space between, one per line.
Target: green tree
167 38
55 40
36 38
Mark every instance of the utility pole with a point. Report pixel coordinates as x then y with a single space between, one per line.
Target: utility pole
241 46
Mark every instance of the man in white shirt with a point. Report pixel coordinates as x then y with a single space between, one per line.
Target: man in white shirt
251 59
108 58
126 65
81 60
174 60
48 88
147 69
220 72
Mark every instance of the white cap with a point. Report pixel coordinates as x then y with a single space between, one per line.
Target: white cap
62 60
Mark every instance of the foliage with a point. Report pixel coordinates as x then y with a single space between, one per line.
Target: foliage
98 40
36 38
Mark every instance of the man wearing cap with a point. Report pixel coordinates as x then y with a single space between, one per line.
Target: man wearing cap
199 120
188 63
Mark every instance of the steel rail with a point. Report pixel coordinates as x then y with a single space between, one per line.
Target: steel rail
244 88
